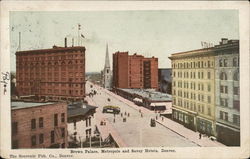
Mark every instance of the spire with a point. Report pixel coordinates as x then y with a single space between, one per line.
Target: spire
107 58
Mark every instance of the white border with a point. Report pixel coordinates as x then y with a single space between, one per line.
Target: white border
208 152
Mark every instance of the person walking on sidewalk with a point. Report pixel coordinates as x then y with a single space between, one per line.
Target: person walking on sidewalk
199 135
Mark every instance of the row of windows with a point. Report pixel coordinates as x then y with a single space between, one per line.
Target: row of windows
224 90
192 75
51 84
227 63
48 67
193 106
224 116
223 76
188 65
37 58
192 86
200 97
224 103
40 123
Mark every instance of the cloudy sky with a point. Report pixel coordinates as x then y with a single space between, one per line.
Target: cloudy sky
150 33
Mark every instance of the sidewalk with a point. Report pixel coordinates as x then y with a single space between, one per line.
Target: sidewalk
107 129
187 133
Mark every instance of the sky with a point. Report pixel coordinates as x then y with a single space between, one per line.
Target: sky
150 33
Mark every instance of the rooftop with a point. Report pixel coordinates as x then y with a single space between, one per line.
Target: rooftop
77 109
150 94
54 49
21 105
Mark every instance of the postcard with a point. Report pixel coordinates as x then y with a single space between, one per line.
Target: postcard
124 79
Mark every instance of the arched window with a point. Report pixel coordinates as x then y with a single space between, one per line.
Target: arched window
236 76
220 63
235 62
223 76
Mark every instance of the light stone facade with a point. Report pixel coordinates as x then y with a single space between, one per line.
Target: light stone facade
193 90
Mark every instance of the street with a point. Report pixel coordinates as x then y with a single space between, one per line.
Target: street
136 131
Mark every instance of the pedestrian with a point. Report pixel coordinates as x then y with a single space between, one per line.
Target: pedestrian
141 115
162 118
114 120
200 136
128 114
121 115
156 117
125 113
139 110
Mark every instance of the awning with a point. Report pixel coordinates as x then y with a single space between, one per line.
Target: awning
158 104
137 100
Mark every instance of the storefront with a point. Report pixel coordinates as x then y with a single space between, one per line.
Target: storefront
204 126
228 135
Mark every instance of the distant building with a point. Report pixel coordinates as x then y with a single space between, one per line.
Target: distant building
134 71
51 74
227 85
81 124
38 125
107 73
148 98
165 80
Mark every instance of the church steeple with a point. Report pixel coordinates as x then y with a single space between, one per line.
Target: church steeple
107 64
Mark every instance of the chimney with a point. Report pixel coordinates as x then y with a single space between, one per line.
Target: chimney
224 41
72 42
65 42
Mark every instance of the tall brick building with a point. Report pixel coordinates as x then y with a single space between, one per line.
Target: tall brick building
39 125
134 71
51 74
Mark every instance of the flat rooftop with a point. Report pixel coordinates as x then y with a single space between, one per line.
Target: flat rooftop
151 94
21 105
79 109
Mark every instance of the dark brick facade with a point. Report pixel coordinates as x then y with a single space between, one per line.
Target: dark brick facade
43 126
134 71
56 74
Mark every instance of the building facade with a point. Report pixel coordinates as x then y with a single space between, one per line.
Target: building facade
107 73
193 89
227 92
39 125
51 74
134 71
81 125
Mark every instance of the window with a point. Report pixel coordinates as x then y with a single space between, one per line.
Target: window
208 64
41 122
236 90
14 128
220 62
55 119
33 123
41 138
236 119
236 76
63 132
223 76
208 87
236 105
235 62
63 117
208 99
226 116
209 111
87 122
208 75
224 89
224 102
221 115
52 136
225 62
33 140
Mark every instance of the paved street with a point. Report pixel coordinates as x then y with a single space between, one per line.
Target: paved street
136 131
